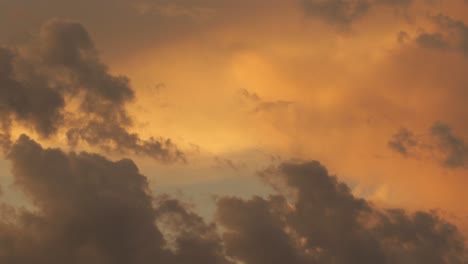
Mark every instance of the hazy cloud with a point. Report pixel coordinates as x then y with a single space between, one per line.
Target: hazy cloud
443 142
403 141
92 210
452 146
452 34
62 65
343 13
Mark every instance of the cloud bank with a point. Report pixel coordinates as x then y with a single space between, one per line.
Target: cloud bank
93 210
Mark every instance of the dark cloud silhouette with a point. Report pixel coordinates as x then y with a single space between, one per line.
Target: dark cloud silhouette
343 13
31 101
403 141
92 210
89 209
325 223
62 65
452 146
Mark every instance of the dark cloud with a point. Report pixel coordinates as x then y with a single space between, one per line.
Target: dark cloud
91 210
343 13
432 41
31 101
452 34
62 65
452 146
325 223
95 211
403 141
337 12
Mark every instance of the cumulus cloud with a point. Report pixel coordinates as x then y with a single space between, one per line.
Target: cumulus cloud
58 68
30 101
325 223
92 210
88 209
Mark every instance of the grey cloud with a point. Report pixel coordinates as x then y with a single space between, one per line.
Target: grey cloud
255 233
432 41
226 163
63 64
453 34
343 13
442 141
403 141
262 105
325 223
92 210
30 101
453 147
337 12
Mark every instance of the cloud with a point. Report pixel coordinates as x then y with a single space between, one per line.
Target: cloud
262 105
447 146
452 146
89 209
30 101
325 223
62 67
432 41
343 13
452 34
225 163
92 210
403 141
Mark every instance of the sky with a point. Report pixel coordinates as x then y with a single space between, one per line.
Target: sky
217 131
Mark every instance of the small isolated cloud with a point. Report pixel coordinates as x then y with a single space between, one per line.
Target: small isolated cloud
403 141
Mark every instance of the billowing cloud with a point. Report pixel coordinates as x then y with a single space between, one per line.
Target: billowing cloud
38 84
92 210
89 209
31 101
325 223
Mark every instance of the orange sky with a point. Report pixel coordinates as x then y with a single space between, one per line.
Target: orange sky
247 81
